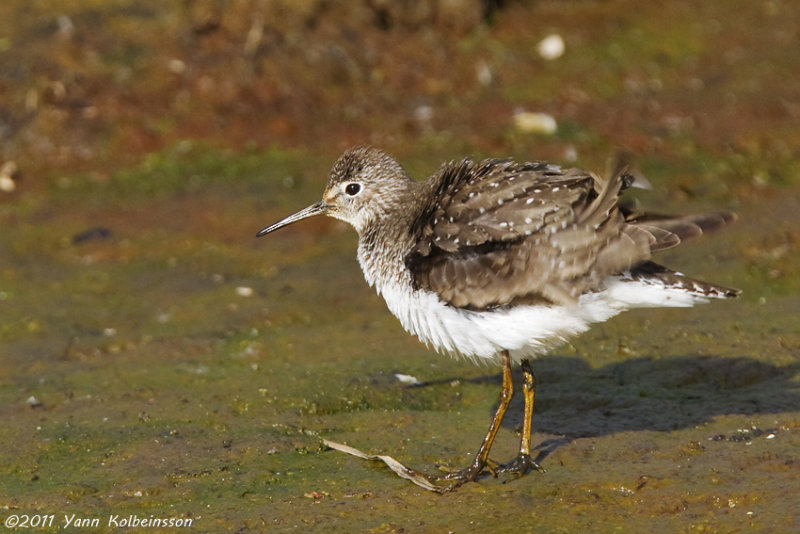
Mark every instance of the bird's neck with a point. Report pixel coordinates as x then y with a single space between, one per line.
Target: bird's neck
384 244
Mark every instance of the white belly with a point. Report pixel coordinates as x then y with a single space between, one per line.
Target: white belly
525 331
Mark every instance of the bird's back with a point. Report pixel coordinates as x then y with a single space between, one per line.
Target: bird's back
500 233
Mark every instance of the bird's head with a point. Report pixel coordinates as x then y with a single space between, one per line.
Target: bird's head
365 183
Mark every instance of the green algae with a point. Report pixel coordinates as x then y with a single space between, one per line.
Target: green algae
162 390
176 366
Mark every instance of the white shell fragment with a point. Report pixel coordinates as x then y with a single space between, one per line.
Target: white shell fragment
407 379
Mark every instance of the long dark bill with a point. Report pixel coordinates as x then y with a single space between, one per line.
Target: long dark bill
314 209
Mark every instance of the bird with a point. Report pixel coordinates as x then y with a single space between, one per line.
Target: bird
502 261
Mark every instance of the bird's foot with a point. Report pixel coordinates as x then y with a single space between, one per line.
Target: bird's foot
450 481
455 479
520 465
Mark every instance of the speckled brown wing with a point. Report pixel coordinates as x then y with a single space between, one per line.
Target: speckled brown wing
499 232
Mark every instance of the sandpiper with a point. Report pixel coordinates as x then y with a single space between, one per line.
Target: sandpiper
503 261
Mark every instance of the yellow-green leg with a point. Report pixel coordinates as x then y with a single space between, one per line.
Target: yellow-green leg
523 462
481 460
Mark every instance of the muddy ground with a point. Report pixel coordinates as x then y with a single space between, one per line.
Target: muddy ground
157 360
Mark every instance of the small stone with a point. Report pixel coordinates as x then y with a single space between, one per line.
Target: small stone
176 66
483 73
7 174
423 113
66 29
92 234
551 47
7 184
244 291
529 122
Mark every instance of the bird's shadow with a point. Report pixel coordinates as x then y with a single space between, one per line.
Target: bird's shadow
574 400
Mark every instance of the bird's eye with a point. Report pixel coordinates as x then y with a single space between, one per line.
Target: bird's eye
352 189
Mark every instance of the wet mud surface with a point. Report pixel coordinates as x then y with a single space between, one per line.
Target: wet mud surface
156 359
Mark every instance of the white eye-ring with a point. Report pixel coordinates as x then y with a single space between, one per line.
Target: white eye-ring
352 189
